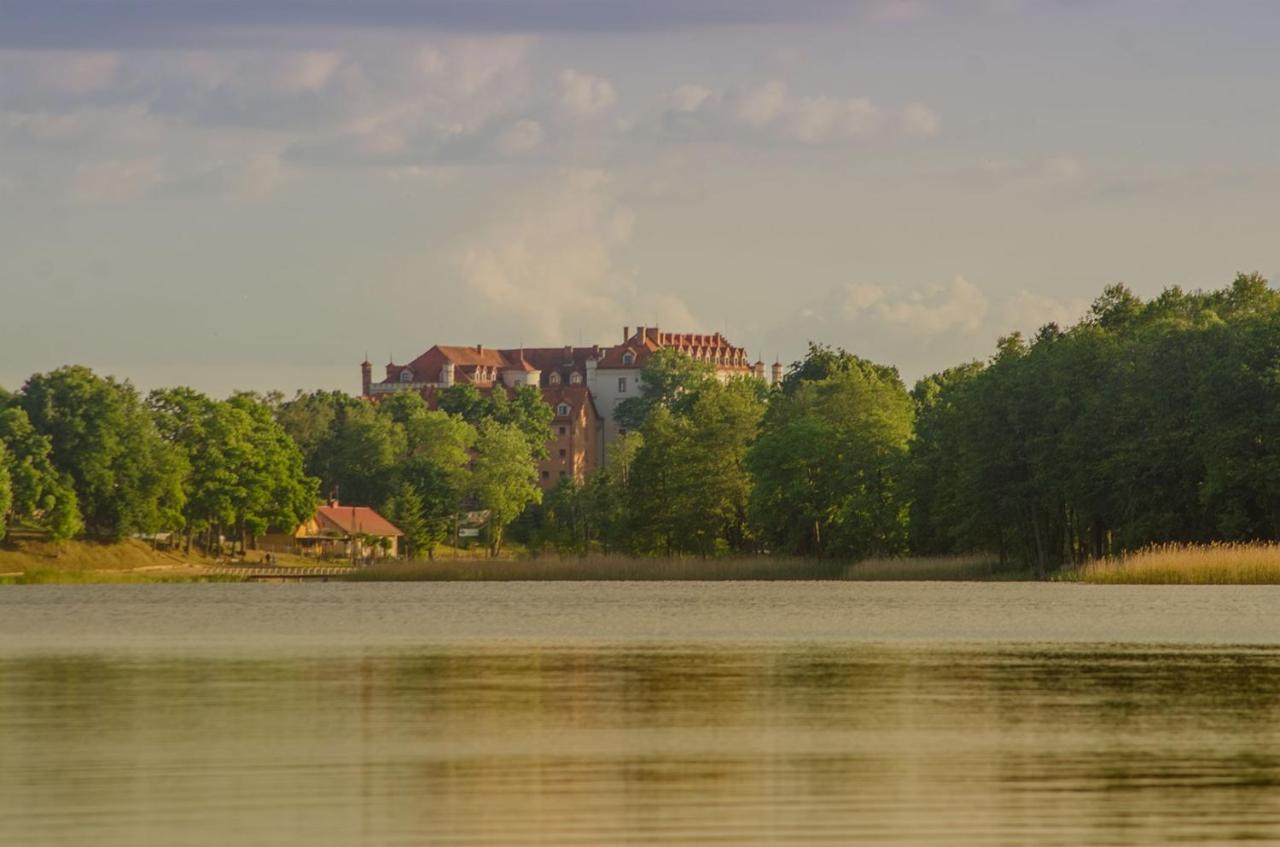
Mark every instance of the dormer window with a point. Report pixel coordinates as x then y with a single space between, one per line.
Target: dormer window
406 375
563 410
575 378
555 378
628 358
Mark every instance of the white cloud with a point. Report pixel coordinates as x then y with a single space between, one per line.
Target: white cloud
919 121
958 305
520 138
551 269
688 98
1027 311
923 328
771 111
582 94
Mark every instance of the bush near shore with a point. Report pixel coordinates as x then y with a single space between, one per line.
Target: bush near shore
1179 564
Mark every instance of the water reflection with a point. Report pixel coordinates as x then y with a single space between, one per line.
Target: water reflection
726 745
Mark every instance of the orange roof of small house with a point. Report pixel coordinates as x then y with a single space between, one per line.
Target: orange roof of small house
356 520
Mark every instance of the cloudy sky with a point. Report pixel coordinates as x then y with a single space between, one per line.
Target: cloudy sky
255 193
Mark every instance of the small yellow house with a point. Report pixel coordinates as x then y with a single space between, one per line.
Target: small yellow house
351 532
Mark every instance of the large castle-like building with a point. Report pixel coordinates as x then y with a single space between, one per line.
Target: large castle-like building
582 385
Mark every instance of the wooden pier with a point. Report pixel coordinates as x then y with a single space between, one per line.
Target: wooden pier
269 573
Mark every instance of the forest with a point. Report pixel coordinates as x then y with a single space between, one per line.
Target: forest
1147 422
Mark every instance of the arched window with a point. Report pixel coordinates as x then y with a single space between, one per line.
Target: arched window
563 410
628 358
406 375
555 378
575 378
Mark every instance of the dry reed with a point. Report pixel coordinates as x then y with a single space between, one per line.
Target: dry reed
1184 564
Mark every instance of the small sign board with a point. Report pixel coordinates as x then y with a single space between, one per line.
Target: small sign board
469 532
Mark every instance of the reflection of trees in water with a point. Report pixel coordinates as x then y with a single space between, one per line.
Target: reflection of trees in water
1115 745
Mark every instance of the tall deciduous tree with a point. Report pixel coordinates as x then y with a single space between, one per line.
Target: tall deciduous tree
830 461
41 495
504 478
127 479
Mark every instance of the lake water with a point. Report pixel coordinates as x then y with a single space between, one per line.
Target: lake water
639 713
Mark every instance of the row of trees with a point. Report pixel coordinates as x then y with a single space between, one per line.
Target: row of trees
1146 422
85 455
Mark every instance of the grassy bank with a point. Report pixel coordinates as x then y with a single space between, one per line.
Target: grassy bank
1210 564
128 561
622 568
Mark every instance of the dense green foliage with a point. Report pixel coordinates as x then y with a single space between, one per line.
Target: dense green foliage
126 478
1147 422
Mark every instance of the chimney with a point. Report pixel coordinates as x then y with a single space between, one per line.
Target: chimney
652 333
640 334
568 354
626 334
479 348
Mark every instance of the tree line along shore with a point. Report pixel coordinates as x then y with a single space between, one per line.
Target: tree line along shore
1148 424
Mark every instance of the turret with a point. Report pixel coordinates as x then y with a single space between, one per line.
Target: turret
366 377
777 372
446 374
758 368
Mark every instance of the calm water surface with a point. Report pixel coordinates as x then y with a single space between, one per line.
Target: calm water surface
639 713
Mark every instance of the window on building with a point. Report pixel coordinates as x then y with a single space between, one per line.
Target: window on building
628 358
563 410
555 378
563 452
575 378
563 430
406 375
546 474
622 385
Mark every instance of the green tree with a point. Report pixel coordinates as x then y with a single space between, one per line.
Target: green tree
465 401
528 412
346 444
40 494
504 477
6 492
830 461
126 478
670 379
408 513
605 495
276 492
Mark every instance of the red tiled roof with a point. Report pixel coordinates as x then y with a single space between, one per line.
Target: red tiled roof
473 356
613 356
576 396
357 519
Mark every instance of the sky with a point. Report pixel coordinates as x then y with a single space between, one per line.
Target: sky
256 194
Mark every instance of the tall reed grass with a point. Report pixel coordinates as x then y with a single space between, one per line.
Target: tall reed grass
1185 564
624 568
